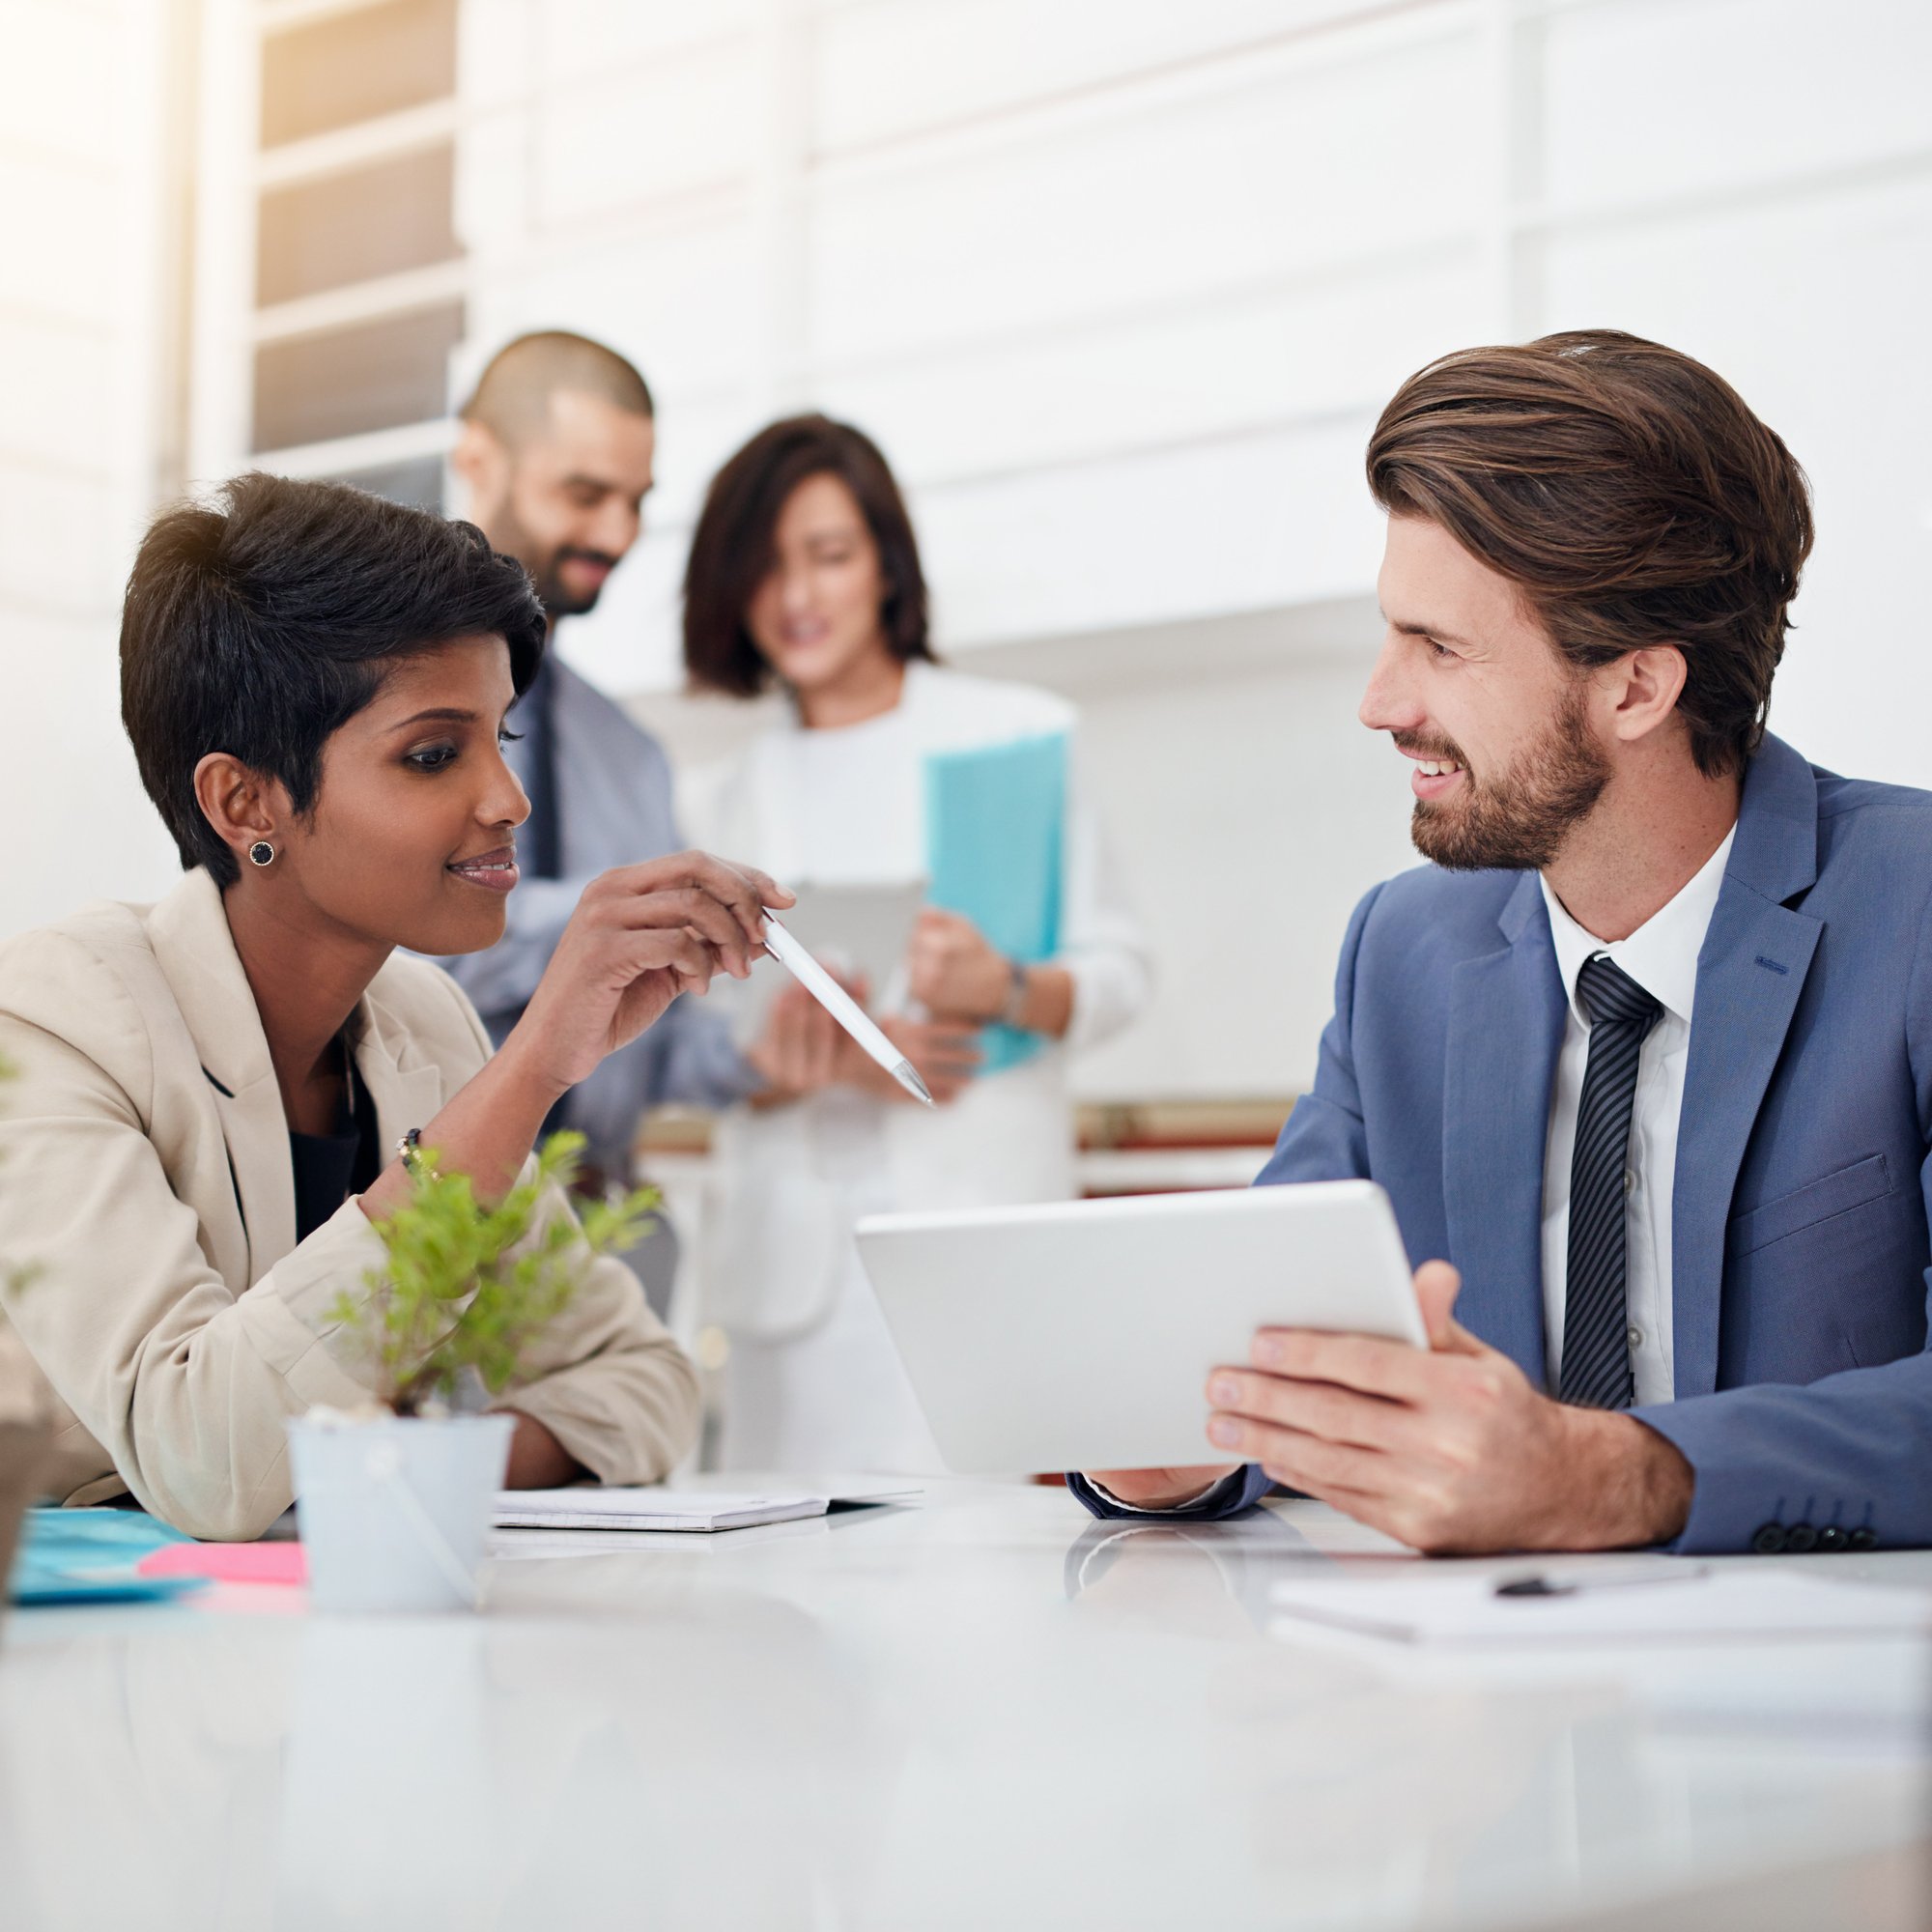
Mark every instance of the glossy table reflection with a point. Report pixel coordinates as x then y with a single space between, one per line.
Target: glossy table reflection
983 1711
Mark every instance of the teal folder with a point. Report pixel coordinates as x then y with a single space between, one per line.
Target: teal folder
89 1556
996 840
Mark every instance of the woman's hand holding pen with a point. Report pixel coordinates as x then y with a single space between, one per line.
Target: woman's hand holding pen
641 936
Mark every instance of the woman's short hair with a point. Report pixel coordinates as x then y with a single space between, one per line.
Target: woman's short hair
258 624
1630 494
731 548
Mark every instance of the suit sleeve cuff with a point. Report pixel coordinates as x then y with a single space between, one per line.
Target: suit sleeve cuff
1730 1496
1232 1495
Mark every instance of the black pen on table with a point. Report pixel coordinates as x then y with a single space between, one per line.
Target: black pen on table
1560 1586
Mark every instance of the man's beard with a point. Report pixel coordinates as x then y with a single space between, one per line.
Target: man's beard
513 540
554 598
1518 821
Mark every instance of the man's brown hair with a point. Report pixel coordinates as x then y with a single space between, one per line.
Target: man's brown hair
1630 494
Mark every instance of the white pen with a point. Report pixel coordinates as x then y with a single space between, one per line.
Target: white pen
840 1005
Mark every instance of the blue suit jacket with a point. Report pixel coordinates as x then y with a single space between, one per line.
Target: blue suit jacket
1798 1244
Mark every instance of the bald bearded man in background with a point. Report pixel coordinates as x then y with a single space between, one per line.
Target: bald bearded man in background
556 456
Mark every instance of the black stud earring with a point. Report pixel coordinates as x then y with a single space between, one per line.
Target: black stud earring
261 853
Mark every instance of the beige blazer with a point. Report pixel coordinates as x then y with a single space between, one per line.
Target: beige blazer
146 1183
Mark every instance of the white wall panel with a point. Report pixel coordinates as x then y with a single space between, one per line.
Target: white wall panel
493 205
55 261
1203 370
83 827
1218 194
79 307
681 299
589 40
1815 310
652 132
496 44
891 70
52 556
57 408
1240 524
1665 98
66 82
1254 814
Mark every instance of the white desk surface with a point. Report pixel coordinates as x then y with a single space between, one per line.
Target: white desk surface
984 1711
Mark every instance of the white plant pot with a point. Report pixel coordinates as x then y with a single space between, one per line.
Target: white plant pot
395 1511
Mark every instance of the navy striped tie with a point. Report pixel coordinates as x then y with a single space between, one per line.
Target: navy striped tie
1595 1324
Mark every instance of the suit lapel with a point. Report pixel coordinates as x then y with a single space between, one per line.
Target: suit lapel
1505 1027
196 953
1750 976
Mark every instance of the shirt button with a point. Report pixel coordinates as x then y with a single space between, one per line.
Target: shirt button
1636 1338
1630 1181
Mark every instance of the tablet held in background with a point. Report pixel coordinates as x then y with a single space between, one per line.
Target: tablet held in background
855 931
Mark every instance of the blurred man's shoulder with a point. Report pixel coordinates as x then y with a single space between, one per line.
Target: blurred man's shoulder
581 707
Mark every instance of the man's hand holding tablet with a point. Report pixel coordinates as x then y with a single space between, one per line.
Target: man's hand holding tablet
1449 1449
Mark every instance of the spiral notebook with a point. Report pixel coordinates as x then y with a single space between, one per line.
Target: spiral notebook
702 1511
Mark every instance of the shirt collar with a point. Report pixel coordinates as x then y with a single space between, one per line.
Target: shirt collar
1661 954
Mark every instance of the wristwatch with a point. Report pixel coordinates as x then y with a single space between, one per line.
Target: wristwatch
1017 994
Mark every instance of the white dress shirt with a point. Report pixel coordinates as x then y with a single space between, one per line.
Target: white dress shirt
1661 956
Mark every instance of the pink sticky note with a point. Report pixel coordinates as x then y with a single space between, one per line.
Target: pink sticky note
228 1562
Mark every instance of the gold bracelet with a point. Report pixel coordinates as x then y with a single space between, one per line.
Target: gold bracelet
409 1150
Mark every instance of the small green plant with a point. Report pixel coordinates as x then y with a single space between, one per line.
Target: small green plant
448 1303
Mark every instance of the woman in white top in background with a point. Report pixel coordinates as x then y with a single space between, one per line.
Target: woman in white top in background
804 570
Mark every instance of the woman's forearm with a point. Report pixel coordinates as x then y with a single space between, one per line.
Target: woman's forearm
486 1131
538 1460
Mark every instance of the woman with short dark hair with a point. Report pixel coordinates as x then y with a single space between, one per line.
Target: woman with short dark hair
805 574
218 1093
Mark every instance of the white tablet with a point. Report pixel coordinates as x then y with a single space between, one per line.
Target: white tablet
849 929
1080 1335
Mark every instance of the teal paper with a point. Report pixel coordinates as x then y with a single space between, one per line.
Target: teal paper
996 838
87 1556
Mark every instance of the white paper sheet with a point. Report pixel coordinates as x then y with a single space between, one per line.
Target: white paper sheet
1459 1607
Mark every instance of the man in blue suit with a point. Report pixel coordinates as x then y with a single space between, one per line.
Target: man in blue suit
1644 1058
